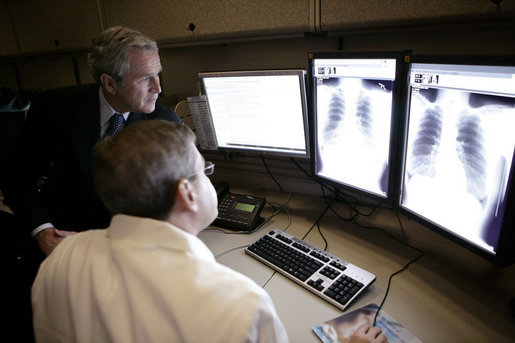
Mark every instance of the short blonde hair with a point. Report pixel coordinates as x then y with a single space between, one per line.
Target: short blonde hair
136 172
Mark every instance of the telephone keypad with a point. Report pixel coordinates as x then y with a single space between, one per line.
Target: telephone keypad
237 211
226 212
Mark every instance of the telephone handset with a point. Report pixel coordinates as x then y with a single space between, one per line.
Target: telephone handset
237 212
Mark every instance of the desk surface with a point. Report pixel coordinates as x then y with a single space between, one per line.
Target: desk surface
438 299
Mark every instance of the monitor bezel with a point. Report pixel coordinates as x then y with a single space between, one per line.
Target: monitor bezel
505 254
300 73
401 57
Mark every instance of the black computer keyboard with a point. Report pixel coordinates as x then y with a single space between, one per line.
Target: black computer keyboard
331 278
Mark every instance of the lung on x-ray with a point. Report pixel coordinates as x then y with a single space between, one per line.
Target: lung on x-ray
354 118
458 159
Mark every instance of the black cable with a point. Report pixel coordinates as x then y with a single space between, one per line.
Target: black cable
310 177
316 222
354 217
390 235
354 205
336 195
282 207
323 237
374 208
270 173
268 280
302 169
420 255
339 196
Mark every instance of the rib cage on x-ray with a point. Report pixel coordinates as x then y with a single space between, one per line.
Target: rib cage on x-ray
336 112
341 104
354 117
468 139
427 143
471 152
458 160
364 115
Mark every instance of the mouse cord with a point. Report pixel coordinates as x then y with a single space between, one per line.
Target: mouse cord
420 254
390 281
270 173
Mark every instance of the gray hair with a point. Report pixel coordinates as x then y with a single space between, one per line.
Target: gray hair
109 52
136 172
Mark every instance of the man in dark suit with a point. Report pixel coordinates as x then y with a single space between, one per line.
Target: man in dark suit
49 183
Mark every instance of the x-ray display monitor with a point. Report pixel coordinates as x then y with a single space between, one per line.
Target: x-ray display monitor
458 157
355 99
260 111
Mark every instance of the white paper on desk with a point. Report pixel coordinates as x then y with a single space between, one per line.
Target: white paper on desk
340 328
199 109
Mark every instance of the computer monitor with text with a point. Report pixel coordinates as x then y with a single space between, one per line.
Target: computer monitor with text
259 111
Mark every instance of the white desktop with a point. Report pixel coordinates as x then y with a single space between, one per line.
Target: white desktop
464 300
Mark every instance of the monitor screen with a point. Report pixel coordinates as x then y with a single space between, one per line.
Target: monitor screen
355 107
459 149
261 111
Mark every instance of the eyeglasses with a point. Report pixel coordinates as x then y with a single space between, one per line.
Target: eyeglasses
209 169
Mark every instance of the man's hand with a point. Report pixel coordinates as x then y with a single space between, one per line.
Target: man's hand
49 238
367 334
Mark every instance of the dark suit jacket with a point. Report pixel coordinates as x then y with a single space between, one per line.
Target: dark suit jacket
49 177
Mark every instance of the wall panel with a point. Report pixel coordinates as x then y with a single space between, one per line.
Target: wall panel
48 73
7 36
55 24
352 15
169 20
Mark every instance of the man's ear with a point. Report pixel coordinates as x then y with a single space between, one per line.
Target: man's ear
186 196
108 83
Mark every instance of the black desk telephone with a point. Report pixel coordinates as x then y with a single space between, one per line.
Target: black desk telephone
237 212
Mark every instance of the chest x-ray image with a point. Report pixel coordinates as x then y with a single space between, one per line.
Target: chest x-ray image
458 161
353 129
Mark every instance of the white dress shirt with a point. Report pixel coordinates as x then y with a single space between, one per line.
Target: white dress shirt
143 280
